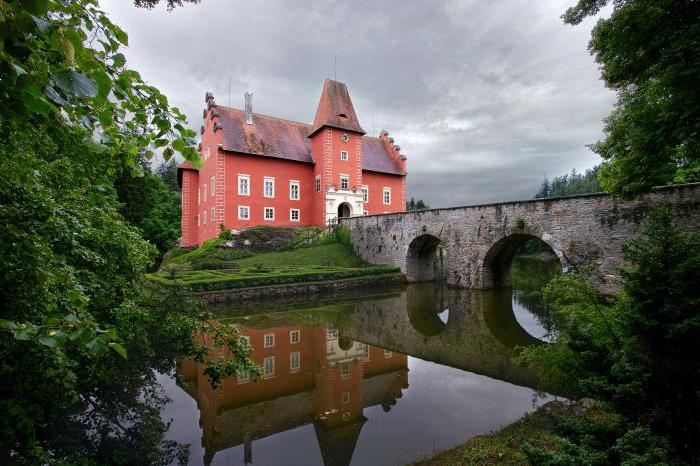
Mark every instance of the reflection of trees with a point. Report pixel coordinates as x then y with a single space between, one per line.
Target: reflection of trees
117 419
531 272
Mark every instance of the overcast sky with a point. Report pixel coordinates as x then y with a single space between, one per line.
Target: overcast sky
484 97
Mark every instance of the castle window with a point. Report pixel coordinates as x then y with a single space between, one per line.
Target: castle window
318 184
204 217
213 214
269 366
388 353
245 341
199 195
213 186
269 340
294 361
294 336
344 182
365 194
205 191
269 187
243 212
345 397
364 212
387 196
269 213
197 219
294 215
293 190
243 377
243 185
345 369
343 155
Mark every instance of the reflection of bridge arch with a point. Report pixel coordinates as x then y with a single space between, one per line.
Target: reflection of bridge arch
426 310
480 336
425 259
499 258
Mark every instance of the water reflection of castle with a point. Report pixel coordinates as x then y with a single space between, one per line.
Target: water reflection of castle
311 375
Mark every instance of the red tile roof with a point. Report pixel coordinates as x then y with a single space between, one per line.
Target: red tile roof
335 109
274 137
267 135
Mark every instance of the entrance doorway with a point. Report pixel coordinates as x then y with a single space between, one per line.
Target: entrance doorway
343 210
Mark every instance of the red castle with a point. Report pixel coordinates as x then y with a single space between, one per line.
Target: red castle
262 170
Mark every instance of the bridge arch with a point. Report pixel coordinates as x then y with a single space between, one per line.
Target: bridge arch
425 259
499 258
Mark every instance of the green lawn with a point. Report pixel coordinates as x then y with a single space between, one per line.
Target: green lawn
210 268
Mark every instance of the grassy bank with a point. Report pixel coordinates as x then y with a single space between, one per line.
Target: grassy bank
211 267
505 447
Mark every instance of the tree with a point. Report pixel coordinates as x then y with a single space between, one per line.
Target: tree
75 315
416 205
647 51
635 353
570 184
168 173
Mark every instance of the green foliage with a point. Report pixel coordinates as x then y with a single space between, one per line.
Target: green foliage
148 204
63 60
570 184
168 173
258 275
224 233
420 204
520 223
637 352
645 51
78 339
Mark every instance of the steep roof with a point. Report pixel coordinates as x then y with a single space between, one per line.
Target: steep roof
285 139
267 135
335 109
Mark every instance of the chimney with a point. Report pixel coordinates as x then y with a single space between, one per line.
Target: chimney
249 108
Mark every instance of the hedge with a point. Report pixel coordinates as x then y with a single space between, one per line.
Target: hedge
219 281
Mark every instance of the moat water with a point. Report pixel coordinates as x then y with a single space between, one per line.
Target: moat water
377 377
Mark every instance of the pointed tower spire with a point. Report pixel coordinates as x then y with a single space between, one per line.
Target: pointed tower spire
335 109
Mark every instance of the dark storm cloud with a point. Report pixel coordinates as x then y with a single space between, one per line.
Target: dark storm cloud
484 97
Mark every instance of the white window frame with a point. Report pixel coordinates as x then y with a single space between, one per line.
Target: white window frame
344 365
213 186
245 341
239 212
388 353
271 181
385 192
198 220
265 210
291 336
296 184
266 374
199 195
344 155
345 177
318 184
291 215
212 217
242 177
345 397
365 193
204 217
291 361
205 191
272 339
243 377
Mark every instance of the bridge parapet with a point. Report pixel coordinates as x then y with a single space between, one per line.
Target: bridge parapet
469 246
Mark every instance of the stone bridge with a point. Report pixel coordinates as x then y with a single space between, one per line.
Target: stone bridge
472 247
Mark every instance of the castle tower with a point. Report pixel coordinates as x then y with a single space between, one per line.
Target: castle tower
337 151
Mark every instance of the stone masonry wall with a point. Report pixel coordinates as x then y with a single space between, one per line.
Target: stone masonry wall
478 239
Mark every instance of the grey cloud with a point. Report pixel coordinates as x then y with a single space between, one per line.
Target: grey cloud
483 97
